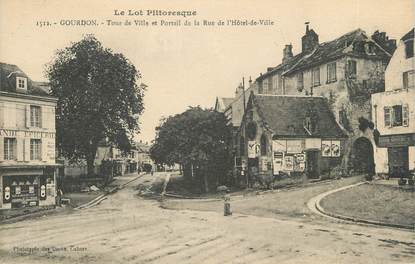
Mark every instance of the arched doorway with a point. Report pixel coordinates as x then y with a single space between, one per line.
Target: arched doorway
362 156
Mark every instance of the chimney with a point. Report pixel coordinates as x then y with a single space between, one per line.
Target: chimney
310 40
287 53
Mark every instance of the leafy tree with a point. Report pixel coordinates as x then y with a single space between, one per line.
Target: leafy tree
196 138
98 99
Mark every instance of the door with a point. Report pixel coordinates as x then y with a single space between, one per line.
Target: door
398 161
313 169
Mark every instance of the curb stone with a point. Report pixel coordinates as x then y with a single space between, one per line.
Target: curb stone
320 209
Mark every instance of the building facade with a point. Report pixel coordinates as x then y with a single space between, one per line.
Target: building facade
346 71
394 113
279 137
28 167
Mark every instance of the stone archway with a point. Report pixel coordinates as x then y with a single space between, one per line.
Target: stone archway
362 157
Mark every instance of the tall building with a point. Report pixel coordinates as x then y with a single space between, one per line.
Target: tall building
27 141
394 113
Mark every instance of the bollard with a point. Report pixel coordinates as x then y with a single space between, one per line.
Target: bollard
227 205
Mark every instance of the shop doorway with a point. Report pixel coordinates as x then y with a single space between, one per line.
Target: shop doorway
362 156
398 161
313 168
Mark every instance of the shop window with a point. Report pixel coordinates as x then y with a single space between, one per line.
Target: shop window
315 77
35 149
409 79
264 145
409 48
10 147
300 82
351 69
35 116
21 83
331 72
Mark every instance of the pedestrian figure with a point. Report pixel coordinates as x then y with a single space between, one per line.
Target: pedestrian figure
227 205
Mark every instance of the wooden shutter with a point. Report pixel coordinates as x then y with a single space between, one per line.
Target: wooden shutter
44 149
44 117
27 149
388 116
405 115
27 115
20 149
1 148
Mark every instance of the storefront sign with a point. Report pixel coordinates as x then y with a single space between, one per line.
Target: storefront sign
253 149
295 146
397 140
313 143
279 145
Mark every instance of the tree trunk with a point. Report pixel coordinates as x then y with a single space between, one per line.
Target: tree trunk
206 182
90 166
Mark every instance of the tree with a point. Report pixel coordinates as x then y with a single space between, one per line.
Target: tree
98 99
198 139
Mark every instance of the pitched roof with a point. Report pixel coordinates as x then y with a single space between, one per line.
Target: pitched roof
142 147
351 44
8 74
409 35
285 115
331 50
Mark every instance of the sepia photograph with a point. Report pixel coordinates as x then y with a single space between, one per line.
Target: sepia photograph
207 131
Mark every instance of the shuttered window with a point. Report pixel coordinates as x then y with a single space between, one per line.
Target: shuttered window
35 116
10 149
331 72
316 76
35 149
397 115
387 111
405 115
409 79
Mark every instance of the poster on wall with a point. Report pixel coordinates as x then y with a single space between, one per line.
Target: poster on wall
253 149
326 148
278 158
330 148
335 148
289 163
264 164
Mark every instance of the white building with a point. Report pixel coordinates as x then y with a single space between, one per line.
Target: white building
27 141
393 112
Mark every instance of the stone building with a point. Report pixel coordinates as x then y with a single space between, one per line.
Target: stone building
394 113
346 71
277 136
27 141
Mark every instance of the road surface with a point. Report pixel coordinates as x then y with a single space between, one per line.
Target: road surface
126 228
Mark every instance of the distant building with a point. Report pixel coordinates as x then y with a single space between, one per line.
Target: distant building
27 141
394 113
278 136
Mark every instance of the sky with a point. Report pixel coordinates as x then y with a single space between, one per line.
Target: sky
188 65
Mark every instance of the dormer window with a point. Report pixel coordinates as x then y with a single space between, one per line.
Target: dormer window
21 83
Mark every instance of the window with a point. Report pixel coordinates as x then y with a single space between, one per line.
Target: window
34 116
409 48
409 79
265 86
10 146
21 83
397 115
331 72
263 145
351 69
300 82
316 77
35 149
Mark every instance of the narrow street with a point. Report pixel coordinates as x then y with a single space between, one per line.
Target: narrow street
126 228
